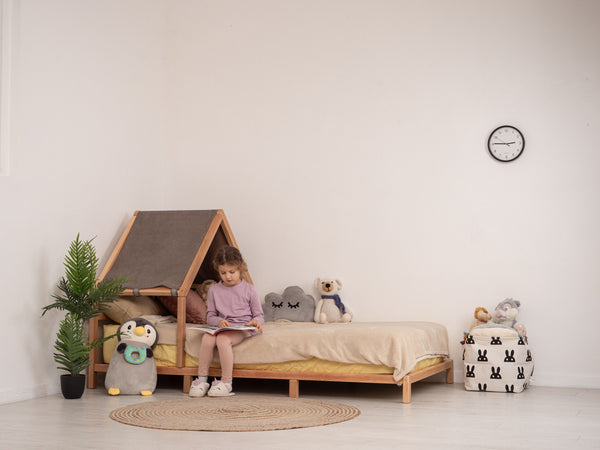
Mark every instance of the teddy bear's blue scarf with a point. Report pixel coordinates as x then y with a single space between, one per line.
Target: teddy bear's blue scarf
338 302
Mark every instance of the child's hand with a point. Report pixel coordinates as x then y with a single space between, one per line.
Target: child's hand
223 323
254 323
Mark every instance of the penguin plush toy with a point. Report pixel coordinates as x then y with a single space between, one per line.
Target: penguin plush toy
132 369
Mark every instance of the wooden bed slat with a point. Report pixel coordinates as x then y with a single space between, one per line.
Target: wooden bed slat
294 378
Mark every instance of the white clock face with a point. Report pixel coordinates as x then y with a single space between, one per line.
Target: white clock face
506 143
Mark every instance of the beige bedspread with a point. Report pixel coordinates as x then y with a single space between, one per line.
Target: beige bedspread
395 344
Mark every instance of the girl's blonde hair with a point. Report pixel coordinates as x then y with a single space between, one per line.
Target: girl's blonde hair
232 256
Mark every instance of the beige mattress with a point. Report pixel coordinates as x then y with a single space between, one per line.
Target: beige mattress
357 347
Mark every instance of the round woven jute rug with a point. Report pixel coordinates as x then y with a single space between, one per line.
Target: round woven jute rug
234 413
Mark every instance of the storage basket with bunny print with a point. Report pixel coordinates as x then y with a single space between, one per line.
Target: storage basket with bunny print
497 363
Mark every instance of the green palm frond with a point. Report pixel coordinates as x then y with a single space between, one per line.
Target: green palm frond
71 345
103 294
80 293
81 265
82 297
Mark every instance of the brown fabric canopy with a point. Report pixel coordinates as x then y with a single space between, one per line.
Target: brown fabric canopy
169 249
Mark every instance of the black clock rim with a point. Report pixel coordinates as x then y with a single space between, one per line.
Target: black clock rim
490 139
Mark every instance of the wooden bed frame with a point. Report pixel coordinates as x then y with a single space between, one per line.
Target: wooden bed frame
218 233
293 378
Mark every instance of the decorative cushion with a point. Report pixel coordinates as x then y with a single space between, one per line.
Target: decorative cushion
293 305
126 308
195 308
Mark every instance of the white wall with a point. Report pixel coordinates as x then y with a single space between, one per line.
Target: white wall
342 138
88 135
348 139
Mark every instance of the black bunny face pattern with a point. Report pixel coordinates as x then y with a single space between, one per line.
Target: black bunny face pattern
482 356
470 372
510 357
497 364
495 373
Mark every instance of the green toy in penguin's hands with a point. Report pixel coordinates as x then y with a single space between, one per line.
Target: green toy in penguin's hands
132 369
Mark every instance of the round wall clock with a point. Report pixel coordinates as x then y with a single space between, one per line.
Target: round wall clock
506 143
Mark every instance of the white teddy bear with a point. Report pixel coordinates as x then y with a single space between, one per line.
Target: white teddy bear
330 307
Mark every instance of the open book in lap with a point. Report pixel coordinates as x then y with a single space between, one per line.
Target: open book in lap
217 330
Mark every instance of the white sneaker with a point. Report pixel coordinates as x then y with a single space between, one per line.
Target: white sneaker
220 389
199 388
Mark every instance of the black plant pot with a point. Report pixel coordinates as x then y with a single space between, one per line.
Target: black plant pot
72 386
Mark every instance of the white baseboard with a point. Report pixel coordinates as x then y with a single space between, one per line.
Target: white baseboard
18 395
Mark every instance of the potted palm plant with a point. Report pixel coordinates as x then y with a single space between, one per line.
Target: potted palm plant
82 297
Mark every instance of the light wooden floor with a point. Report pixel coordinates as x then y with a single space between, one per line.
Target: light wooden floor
440 416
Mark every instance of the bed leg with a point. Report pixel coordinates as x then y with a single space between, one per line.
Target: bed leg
92 379
294 388
450 373
187 384
406 389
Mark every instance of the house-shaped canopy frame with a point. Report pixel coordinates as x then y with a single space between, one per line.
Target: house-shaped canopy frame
165 253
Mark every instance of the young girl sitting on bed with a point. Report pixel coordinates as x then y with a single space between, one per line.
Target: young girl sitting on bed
232 301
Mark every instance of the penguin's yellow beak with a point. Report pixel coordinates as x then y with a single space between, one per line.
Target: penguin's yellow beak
139 331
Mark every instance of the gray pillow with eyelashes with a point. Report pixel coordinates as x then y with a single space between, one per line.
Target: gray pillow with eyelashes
293 305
